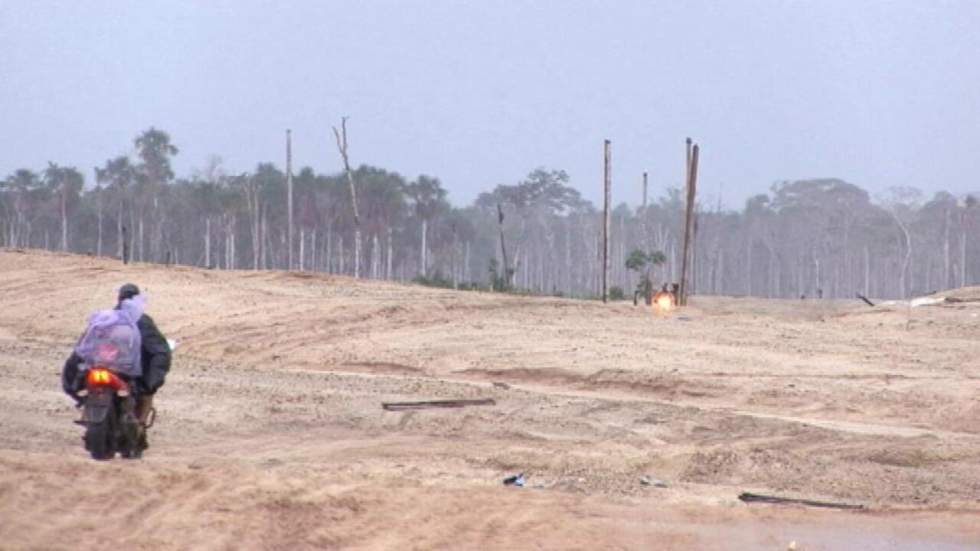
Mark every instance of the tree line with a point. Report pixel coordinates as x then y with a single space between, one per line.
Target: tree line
808 238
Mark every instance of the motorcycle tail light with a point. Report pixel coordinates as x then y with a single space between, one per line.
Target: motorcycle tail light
101 376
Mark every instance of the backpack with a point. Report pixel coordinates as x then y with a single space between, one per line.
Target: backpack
112 339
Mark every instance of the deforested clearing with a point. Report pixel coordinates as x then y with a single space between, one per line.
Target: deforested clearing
271 432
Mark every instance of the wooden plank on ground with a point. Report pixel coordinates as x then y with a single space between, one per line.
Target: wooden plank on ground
400 406
762 498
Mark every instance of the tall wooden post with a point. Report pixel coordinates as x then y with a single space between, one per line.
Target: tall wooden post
289 201
692 177
607 185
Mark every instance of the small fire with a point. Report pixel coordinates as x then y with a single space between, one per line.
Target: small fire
664 302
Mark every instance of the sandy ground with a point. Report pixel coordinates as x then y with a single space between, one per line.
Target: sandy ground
271 435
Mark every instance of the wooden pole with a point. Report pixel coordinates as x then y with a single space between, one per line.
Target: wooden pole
289 191
607 185
692 176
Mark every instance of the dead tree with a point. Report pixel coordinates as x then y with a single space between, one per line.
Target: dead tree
341 136
289 199
99 206
125 245
692 178
250 190
503 245
607 185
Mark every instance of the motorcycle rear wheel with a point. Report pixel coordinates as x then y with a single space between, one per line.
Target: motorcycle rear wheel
100 436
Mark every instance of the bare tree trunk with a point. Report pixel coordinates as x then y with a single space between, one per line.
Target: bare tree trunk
256 238
720 287
141 256
340 254
330 264
251 191
454 263
388 260
302 249
156 238
313 251
289 200
227 249
568 257
231 235
867 272
125 246
207 242
692 177
265 238
64 216
132 233
342 147
748 266
818 286
624 274
927 275
903 273
503 246
607 198
963 259
423 268
375 256
947 270
120 235
98 240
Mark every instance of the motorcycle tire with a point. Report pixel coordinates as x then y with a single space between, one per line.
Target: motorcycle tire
100 436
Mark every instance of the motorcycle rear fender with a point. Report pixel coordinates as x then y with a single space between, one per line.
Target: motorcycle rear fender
97 406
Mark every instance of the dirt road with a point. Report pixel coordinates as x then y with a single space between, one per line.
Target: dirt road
271 434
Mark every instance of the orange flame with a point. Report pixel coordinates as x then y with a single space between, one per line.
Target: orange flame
664 302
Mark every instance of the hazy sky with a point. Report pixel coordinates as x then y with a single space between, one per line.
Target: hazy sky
480 93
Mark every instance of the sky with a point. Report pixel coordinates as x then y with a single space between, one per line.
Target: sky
480 93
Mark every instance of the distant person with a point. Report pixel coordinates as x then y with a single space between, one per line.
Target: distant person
154 358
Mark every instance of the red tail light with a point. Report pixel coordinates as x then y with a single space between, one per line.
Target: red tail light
101 376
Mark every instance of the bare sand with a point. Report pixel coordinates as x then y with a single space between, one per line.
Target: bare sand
271 434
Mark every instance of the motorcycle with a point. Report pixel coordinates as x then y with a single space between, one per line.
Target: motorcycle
109 416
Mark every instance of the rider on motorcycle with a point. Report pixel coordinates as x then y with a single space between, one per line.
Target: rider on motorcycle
155 359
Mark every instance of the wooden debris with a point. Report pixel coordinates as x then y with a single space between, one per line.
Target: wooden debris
865 299
762 498
402 406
